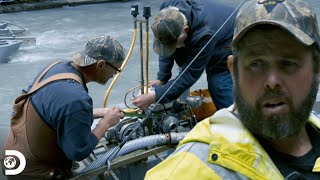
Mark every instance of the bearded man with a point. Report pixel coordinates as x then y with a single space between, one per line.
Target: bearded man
270 132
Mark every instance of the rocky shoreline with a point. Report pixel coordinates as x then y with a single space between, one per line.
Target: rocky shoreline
30 5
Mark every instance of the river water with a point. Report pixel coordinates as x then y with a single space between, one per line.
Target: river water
61 31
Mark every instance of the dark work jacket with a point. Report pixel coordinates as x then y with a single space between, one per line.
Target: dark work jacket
204 18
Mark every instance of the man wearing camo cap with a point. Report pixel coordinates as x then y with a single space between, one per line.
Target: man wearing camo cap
271 132
181 30
53 127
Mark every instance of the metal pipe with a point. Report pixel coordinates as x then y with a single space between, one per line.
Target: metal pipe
147 56
141 59
147 14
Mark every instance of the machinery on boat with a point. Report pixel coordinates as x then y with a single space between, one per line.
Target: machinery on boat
142 138
139 140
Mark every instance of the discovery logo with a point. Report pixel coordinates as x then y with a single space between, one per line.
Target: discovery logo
10 162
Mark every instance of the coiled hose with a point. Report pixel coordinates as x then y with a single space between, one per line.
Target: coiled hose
130 146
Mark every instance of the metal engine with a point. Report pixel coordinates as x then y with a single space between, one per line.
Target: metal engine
121 131
176 116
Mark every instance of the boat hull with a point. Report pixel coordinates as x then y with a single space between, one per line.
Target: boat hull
3 25
8 48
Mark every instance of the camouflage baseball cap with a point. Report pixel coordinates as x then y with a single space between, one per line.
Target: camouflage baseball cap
167 26
294 16
101 48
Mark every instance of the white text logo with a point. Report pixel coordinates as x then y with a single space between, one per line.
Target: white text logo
10 162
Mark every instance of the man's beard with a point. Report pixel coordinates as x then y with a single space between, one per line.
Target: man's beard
276 126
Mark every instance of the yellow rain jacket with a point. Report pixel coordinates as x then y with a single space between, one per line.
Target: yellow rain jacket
219 147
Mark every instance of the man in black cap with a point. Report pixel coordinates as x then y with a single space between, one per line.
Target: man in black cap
270 133
51 121
181 29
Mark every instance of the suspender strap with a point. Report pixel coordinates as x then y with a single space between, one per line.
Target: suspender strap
45 71
56 77
37 84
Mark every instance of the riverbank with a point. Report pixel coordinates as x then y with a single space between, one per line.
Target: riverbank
48 4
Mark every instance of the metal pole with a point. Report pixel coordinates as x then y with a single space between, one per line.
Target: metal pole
135 13
141 59
146 15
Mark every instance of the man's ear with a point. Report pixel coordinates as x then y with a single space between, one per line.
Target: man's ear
230 62
100 64
186 28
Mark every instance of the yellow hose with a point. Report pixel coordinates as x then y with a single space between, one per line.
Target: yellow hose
130 110
122 66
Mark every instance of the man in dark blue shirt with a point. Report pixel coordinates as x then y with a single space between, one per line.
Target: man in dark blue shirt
181 30
59 114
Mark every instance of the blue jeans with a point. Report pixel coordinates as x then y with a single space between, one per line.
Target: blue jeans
220 88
